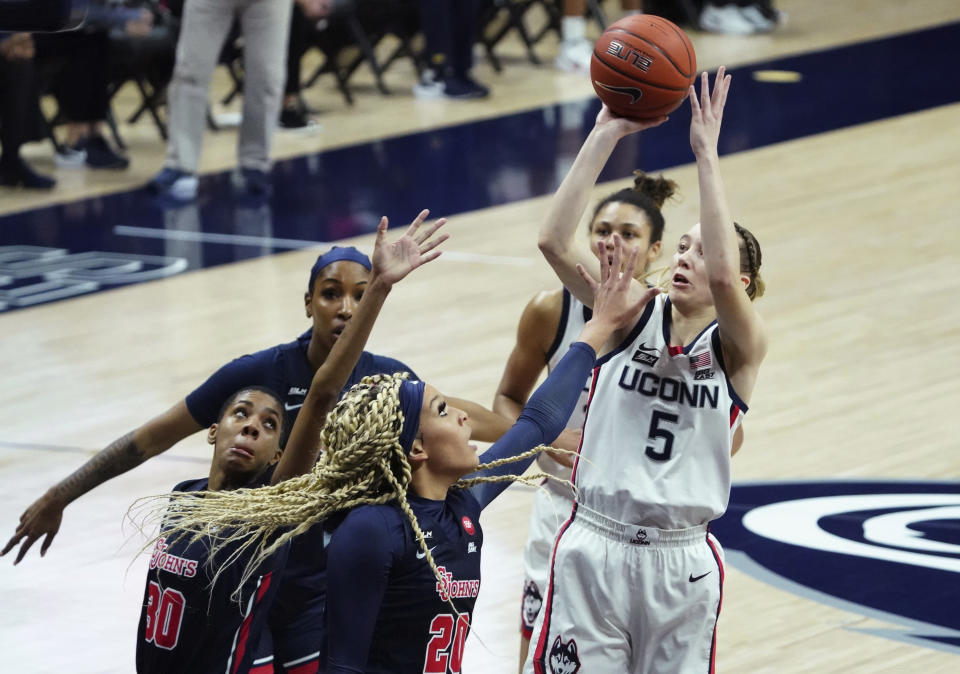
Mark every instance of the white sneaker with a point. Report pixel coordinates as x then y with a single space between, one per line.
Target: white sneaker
70 157
574 57
429 86
726 20
760 22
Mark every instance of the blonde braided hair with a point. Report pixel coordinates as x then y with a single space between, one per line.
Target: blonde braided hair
362 463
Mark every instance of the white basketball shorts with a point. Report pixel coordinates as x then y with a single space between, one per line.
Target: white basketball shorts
628 598
551 508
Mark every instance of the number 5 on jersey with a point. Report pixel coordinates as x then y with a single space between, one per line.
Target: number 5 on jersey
660 430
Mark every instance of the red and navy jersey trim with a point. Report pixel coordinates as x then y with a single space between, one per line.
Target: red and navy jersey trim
242 637
586 416
718 350
634 333
562 327
677 350
713 643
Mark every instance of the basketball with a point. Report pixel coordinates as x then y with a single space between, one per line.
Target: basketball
642 66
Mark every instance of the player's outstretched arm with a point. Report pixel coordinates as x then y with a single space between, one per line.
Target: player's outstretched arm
549 408
558 232
741 329
42 519
391 263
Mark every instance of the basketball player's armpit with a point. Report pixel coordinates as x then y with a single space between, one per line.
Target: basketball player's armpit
115 459
536 334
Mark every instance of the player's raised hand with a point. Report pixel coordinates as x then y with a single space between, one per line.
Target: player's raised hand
623 126
42 518
393 261
611 296
707 112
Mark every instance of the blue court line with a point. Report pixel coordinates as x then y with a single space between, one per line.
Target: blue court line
65 449
343 192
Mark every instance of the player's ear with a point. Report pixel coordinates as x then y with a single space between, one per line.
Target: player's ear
417 455
212 434
306 303
276 456
653 252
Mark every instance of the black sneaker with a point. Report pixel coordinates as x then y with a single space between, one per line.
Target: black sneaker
101 156
18 173
296 119
174 183
257 183
464 86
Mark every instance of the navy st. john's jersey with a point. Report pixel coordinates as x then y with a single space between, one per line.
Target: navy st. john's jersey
297 618
283 368
403 623
187 625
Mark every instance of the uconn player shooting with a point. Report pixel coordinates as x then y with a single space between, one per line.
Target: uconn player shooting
654 463
403 563
549 323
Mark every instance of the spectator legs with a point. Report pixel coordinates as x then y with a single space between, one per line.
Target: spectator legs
266 27
204 29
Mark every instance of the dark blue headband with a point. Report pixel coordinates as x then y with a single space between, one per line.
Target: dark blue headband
411 402
336 254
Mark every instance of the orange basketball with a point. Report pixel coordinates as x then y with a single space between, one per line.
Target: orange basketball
642 66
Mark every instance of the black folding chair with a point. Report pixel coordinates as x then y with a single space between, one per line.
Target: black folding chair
352 34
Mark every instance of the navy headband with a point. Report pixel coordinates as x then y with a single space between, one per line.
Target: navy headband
411 402
336 254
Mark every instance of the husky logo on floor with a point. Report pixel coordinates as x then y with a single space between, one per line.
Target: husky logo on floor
563 657
887 550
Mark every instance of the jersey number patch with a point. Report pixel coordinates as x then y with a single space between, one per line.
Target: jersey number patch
657 430
445 649
164 614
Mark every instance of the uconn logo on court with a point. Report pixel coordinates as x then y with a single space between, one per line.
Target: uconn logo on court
887 550
32 275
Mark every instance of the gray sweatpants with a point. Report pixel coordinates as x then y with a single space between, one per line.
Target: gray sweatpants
265 26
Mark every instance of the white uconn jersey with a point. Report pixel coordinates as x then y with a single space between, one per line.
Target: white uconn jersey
659 428
574 316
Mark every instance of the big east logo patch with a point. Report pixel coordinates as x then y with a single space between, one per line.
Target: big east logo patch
887 550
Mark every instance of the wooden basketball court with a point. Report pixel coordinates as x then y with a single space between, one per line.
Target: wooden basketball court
860 242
